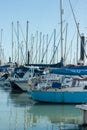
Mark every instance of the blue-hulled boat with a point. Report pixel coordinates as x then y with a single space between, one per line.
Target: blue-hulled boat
76 92
70 95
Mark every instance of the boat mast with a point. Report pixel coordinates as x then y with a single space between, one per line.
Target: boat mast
61 18
65 44
54 45
27 42
36 46
77 45
18 38
43 45
12 42
46 47
40 47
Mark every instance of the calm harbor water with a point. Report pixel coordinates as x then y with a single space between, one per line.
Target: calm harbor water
19 112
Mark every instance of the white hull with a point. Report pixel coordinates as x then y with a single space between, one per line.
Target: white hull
23 84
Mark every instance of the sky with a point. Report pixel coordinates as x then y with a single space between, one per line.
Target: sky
43 16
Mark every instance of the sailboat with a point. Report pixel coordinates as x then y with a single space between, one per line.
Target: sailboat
72 88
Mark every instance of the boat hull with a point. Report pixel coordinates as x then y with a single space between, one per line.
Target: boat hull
60 97
22 84
15 87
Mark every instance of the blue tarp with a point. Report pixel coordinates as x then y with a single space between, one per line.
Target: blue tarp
68 71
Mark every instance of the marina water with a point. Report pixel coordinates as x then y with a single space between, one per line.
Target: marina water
19 112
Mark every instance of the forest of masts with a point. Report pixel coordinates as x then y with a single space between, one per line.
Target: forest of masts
40 48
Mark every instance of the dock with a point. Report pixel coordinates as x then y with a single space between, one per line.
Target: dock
83 107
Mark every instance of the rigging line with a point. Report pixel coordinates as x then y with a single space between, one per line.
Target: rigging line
70 45
74 18
75 6
22 33
32 47
15 32
55 52
56 48
65 41
58 36
47 47
17 38
36 53
77 26
37 49
16 55
21 49
31 39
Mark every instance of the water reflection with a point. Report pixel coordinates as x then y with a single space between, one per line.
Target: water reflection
60 116
20 99
19 112
57 113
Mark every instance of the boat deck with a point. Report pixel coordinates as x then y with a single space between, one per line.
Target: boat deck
72 89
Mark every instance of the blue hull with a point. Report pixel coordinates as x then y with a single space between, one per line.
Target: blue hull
60 97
